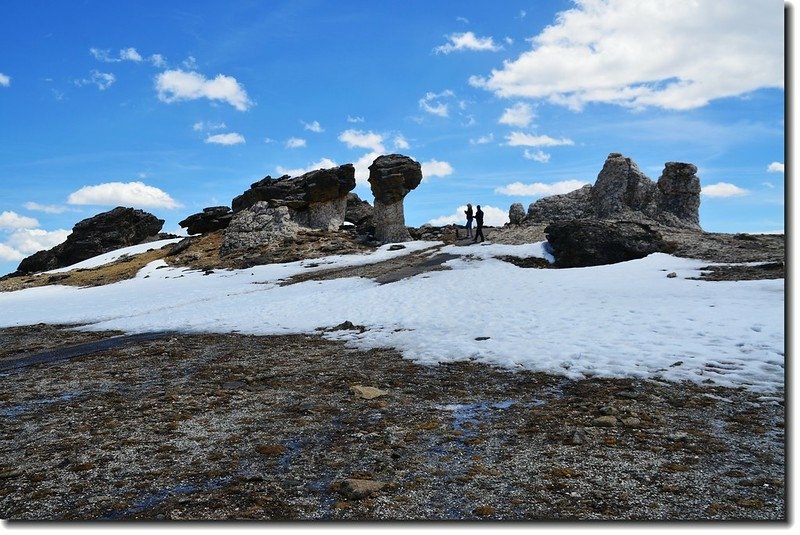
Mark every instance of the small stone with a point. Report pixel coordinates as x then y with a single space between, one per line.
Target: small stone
578 437
672 275
358 489
396 247
605 421
607 410
481 338
367 392
631 422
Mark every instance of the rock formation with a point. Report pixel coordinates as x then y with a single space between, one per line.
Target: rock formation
622 191
257 225
516 214
358 210
117 228
209 220
592 242
391 177
317 199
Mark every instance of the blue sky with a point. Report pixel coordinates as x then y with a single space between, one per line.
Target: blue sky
175 106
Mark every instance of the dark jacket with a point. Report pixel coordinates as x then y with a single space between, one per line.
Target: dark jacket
479 217
468 211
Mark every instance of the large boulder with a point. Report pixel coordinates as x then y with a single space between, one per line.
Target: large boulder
317 199
258 225
622 191
391 178
209 220
107 231
516 213
592 242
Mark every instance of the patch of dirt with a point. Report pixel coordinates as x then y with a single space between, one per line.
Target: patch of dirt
769 270
230 426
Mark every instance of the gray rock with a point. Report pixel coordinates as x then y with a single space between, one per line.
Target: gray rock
678 197
572 205
516 214
358 489
107 231
588 242
209 220
358 210
317 199
258 225
605 421
391 178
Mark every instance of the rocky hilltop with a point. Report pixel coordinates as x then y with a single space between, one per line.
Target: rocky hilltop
108 231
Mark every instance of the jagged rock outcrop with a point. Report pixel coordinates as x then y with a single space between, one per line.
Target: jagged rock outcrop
317 199
107 231
622 191
592 242
358 210
516 214
257 225
209 220
391 177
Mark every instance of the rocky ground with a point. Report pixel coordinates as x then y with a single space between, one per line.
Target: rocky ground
299 427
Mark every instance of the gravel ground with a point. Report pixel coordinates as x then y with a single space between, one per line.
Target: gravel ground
299 427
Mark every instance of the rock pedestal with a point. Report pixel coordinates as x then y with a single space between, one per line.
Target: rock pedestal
391 177
516 213
258 225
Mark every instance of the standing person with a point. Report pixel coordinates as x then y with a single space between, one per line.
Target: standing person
468 211
479 223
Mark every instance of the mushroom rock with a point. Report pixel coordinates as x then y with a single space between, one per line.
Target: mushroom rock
391 178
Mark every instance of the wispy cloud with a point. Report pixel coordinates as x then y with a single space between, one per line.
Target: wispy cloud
434 103
467 41
539 189
517 139
201 126
723 189
295 143
5 80
177 85
313 126
103 80
539 156
46 208
230 138
122 194
356 119
400 142
126 54
483 140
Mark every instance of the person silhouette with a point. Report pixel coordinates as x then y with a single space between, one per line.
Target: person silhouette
468 212
479 224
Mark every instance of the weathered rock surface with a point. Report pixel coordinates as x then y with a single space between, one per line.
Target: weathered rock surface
257 225
316 199
391 177
107 231
516 213
622 191
358 210
589 242
209 220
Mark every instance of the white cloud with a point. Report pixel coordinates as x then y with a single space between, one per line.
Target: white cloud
467 41
355 119
190 63
539 189
29 241
9 254
775 167
433 168
400 142
177 85
313 126
200 126
46 208
517 139
295 143
5 80
130 54
157 60
12 220
483 140
123 194
231 138
539 156
769 185
102 80
324 163
723 189
673 55
492 217
363 140
520 115
433 103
